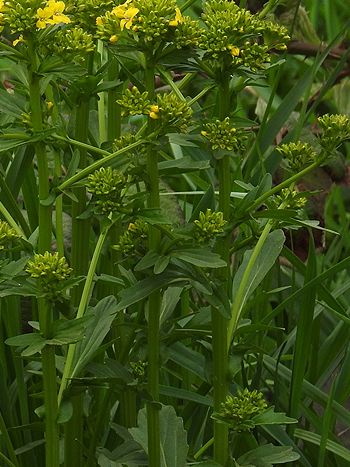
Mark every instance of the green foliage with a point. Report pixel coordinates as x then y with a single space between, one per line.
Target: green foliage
174 233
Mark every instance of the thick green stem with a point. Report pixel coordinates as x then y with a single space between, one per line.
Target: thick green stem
44 244
113 109
219 322
154 302
45 220
73 451
50 388
51 409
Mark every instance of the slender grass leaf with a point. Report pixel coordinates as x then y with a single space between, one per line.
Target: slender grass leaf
331 446
302 341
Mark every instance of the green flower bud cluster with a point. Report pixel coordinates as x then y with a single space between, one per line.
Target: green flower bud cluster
133 102
138 369
73 43
238 410
234 33
298 155
50 270
209 225
187 33
7 235
222 135
85 12
106 185
291 199
134 238
21 15
154 18
253 56
335 130
172 112
275 35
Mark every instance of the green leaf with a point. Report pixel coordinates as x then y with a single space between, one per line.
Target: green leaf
144 288
32 343
203 257
173 440
255 193
267 456
154 216
264 262
65 411
147 261
102 316
183 165
68 331
23 340
269 417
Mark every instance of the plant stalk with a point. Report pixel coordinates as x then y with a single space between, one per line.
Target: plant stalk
154 300
219 322
44 244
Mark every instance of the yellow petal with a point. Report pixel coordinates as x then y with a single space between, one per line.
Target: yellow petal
40 24
113 39
18 40
234 51
154 115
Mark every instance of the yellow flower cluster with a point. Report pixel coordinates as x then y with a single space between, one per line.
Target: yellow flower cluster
51 14
125 13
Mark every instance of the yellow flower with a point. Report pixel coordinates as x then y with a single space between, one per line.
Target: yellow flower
51 14
154 112
113 39
18 40
178 18
234 50
99 21
128 18
49 105
126 14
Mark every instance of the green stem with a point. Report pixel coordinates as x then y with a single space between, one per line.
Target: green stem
219 322
45 220
113 109
11 220
44 244
203 449
289 181
96 165
50 387
154 300
51 408
68 368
